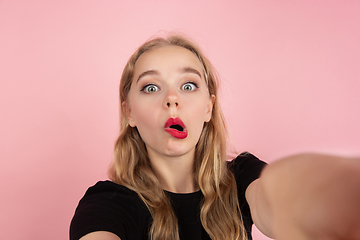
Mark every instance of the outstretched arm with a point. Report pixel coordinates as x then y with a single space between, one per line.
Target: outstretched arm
100 235
308 196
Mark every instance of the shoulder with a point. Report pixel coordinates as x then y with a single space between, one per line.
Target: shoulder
245 161
108 206
109 190
246 168
112 196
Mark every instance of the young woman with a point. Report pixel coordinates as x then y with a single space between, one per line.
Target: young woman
170 178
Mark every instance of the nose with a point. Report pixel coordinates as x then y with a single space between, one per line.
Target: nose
172 100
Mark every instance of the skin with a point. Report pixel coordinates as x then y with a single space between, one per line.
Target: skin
100 235
308 196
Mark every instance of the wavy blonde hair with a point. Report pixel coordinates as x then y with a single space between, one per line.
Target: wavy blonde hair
220 213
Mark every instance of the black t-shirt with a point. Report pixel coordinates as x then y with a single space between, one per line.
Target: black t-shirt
111 207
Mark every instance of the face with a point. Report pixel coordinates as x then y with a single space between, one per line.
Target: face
169 101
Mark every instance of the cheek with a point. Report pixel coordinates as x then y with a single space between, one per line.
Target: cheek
144 113
197 108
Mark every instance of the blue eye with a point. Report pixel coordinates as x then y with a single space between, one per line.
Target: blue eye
150 88
189 86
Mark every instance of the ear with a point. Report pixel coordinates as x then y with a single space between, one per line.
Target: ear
127 111
209 108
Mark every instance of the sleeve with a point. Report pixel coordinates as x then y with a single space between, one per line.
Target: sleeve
246 168
107 207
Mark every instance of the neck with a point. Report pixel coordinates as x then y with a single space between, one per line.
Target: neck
176 174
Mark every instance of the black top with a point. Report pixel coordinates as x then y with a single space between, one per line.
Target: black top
111 207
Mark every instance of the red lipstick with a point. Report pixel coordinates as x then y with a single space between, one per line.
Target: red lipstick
176 128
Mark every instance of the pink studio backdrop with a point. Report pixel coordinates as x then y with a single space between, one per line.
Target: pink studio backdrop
290 75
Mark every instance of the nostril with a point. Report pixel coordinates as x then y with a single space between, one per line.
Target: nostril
169 104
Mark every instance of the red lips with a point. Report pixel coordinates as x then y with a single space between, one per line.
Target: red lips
176 128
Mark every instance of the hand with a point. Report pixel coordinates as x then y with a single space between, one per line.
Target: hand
314 196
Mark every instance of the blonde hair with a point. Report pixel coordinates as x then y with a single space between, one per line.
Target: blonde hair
220 213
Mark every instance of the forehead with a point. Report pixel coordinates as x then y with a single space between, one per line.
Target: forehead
168 57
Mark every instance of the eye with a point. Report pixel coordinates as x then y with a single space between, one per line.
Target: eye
189 86
150 88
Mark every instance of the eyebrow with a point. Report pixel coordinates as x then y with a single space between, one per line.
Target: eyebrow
190 70
148 72
182 70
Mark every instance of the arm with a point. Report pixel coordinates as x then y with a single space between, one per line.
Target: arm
308 196
100 235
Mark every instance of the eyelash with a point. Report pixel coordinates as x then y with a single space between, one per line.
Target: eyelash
149 85
191 83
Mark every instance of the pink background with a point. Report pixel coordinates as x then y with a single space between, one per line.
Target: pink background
290 75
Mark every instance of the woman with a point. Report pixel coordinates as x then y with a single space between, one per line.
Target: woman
170 179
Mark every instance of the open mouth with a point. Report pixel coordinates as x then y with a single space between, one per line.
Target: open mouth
176 128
